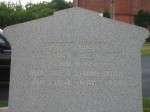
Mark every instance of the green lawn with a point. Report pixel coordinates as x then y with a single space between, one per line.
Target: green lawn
3 103
145 50
146 104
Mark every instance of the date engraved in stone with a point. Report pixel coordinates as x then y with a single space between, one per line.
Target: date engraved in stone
59 77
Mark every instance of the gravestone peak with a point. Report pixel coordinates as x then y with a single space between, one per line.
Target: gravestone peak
75 61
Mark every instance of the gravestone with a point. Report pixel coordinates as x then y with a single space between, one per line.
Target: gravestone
75 61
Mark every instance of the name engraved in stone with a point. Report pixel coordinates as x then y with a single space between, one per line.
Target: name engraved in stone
41 77
80 55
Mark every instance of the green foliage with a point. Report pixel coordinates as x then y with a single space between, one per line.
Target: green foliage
61 4
11 13
106 13
5 11
35 11
143 19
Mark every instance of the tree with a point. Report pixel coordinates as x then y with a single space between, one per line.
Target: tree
5 11
11 13
60 4
143 19
35 11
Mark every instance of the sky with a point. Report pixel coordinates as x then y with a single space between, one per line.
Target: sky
23 2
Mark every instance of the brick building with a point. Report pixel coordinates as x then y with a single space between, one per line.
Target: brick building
122 10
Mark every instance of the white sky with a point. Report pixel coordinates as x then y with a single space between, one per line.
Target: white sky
23 2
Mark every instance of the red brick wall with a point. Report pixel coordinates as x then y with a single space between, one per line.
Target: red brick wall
122 6
135 6
124 9
145 4
125 18
94 5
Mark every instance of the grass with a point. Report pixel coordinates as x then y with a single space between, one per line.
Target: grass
146 104
145 50
3 103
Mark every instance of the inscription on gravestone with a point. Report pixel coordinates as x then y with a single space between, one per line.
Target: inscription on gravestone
87 56
75 61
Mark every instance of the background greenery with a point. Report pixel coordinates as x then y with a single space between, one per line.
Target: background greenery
146 104
11 13
145 50
3 103
143 19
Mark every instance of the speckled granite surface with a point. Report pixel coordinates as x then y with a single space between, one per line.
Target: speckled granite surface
75 61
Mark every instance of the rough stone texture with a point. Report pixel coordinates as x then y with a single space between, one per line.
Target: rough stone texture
75 61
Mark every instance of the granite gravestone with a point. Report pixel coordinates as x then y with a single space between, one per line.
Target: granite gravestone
75 61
